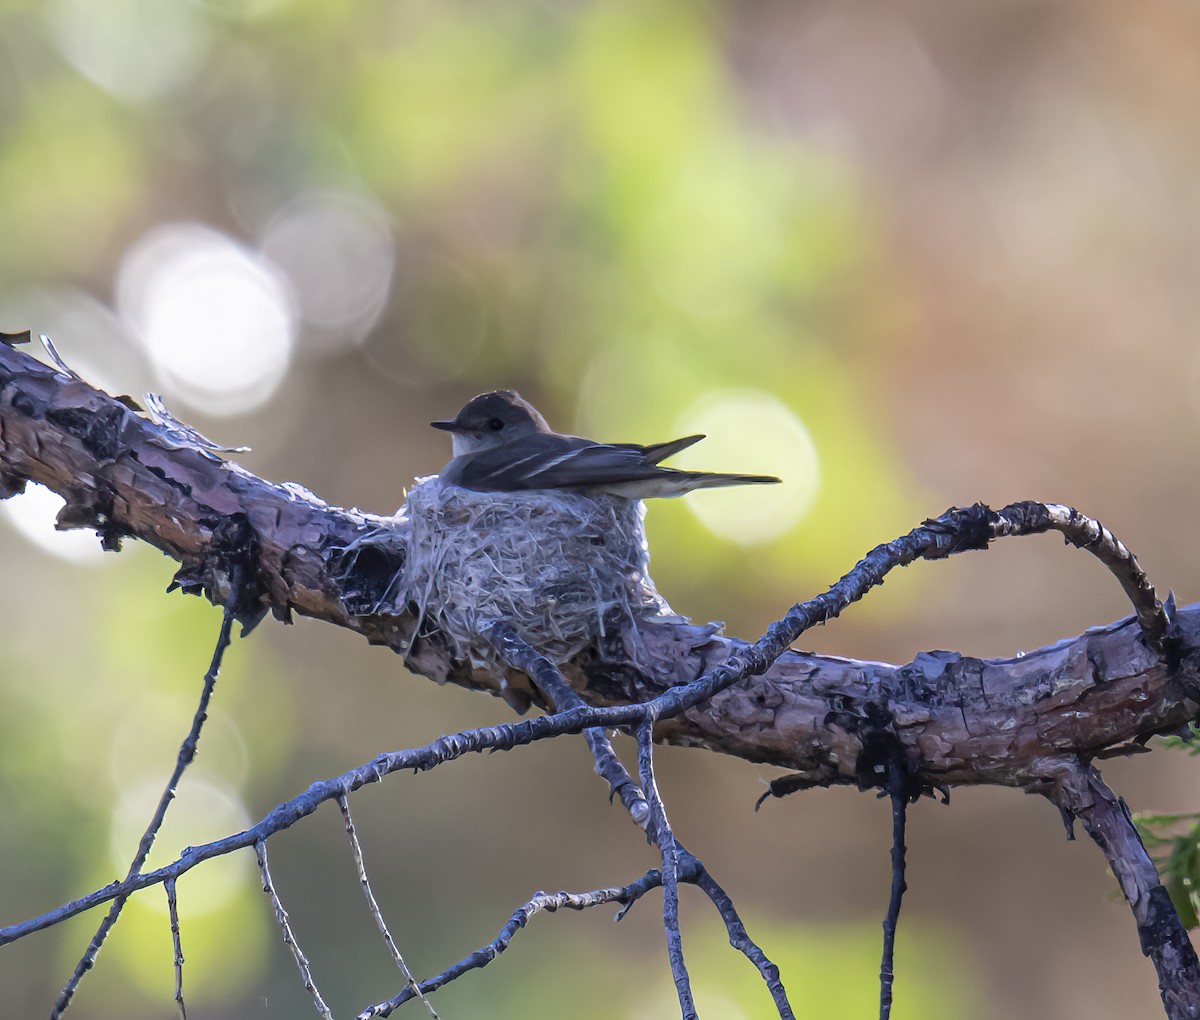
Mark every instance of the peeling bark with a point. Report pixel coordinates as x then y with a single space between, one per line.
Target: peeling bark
1081 793
1035 721
959 720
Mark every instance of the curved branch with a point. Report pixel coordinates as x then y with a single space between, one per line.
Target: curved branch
948 719
961 720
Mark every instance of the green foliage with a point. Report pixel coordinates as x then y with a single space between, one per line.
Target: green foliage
1173 842
1189 743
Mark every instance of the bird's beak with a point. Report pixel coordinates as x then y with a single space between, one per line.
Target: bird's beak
447 426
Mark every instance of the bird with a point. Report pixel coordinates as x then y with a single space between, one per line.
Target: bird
502 444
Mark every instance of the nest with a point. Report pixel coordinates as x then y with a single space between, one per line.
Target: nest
566 570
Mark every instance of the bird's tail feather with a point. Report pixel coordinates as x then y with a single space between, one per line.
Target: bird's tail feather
713 480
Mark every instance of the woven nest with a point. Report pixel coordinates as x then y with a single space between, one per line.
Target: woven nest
566 570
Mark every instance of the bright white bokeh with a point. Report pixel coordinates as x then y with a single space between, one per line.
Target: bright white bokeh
215 318
337 249
750 432
137 50
32 515
205 809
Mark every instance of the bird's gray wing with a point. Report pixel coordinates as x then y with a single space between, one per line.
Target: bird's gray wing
655 453
566 463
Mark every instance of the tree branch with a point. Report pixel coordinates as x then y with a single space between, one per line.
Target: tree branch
1079 792
961 720
945 719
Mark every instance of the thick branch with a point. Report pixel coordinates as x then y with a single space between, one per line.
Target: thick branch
943 719
1080 792
959 719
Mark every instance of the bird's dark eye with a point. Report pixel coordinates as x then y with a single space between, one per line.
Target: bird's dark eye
495 424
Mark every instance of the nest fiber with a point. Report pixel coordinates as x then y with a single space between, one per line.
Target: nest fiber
565 569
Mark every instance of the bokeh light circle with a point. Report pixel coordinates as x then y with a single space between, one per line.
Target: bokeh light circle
205 809
215 318
337 249
135 752
750 432
32 513
136 50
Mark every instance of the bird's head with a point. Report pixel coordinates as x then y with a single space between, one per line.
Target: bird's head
490 420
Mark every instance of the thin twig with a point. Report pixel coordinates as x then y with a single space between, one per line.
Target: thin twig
660 832
887 972
738 936
289 937
177 945
956 531
691 870
428 756
187 753
373 905
540 901
561 695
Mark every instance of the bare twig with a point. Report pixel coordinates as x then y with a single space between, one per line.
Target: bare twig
187 753
738 937
554 686
373 905
956 531
660 832
691 870
1171 695
176 944
444 749
289 937
1085 533
887 972
549 902
561 696
1078 790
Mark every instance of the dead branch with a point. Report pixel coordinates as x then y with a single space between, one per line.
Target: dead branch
942 720
1081 793
961 720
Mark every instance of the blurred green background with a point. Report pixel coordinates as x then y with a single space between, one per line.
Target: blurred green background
904 255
